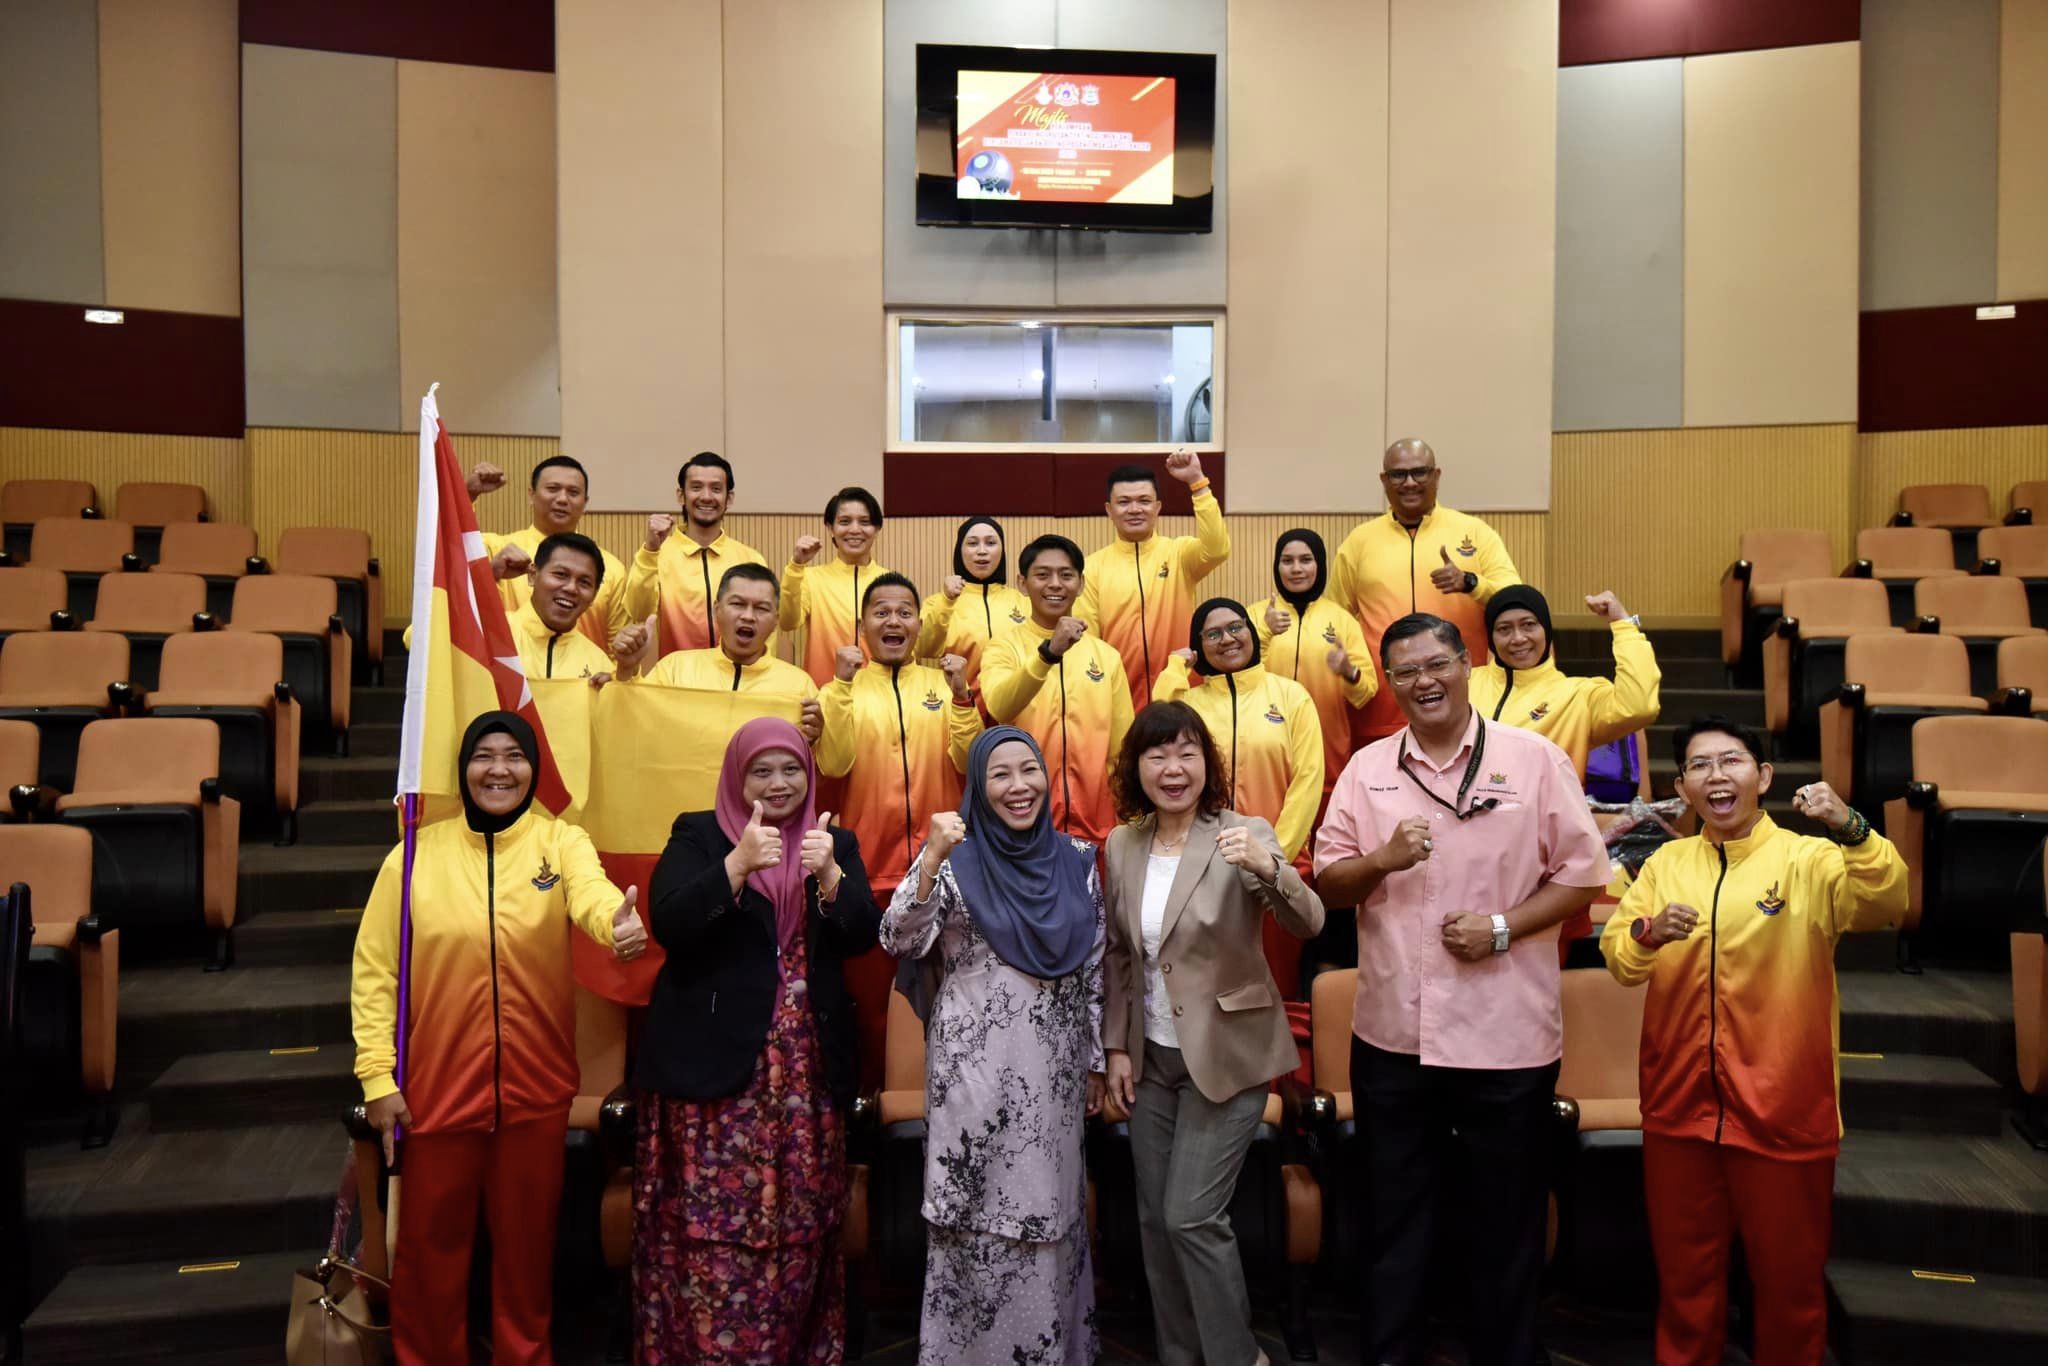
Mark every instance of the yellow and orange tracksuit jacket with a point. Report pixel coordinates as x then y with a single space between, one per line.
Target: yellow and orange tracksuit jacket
1382 574
1575 713
1078 710
607 613
965 625
676 587
548 655
824 599
1312 633
899 743
714 669
1138 594
1741 1027
1268 734
491 1036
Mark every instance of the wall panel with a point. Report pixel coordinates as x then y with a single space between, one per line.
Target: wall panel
639 109
1630 30
476 247
111 459
519 34
50 152
170 159
1771 212
2023 150
1471 234
1307 348
176 373
1996 457
1929 369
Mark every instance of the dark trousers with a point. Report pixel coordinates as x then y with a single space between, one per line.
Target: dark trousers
1420 1129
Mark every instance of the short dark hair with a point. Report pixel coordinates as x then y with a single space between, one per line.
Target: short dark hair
757 573
1131 474
889 580
1162 723
1421 624
707 460
1048 542
575 543
1715 724
854 493
563 462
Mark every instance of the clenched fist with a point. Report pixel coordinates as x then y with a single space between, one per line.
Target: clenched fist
811 719
1820 802
807 548
659 525
1240 850
1184 465
1065 634
944 836
846 662
1675 922
954 586
1607 607
1410 844
484 477
955 669
510 563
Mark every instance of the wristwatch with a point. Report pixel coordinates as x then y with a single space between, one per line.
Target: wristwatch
1639 929
1045 652
1500 933
1471 581
1634 619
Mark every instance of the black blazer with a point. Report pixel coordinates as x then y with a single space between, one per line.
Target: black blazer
715 997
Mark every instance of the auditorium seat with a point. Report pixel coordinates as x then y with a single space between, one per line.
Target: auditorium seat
2030 1022
63 681
82 550
235 679
896 1187
1983 611
219 552
24 502
2023 666
2020 552
1333 997
2029 503
1803 657
20 776
1602 1221
71 988
149 609
597 1189
1962 510
1974 816
1901 556
299 610
1891 682
343 554
1753 589
150 507
28 599
165 837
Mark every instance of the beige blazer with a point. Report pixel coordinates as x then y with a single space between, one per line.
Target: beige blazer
1226 1006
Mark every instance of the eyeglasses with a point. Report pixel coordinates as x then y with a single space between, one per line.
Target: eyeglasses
1440 668
1217 635
1730 763
1408 476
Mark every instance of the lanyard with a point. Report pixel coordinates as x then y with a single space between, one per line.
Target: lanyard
1464 785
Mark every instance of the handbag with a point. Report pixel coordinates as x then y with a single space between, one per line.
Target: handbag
332 1322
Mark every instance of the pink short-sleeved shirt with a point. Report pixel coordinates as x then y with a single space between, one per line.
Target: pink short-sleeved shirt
1413 996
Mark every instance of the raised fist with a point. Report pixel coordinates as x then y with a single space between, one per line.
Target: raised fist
1184 465
954 586
510 562
1607 607
811 719
1240 850
955 669
1065 634
484 477
659 525
807 548
947 830
1410 844
846 662
1187 657
1675 922
1820 802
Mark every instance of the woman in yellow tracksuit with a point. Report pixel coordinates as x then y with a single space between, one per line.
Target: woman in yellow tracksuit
477 1001
1523 686
1300 620
1734 930
823 593
978 604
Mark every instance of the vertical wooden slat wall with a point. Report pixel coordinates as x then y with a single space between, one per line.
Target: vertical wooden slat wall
111 459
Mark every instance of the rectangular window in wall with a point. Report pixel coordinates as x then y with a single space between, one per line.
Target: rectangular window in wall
1081 383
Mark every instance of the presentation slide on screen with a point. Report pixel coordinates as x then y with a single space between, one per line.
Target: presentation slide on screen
1060 137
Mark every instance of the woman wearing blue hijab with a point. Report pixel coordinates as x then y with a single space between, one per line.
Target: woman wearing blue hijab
1013 1065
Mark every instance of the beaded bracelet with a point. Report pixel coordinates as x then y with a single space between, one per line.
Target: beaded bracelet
1854 833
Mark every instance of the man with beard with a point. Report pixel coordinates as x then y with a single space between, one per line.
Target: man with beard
557 494
744 614
674 572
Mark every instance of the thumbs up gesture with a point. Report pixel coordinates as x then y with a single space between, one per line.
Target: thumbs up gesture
817 847
1278 618
1447 577
633 648
629 934
760 845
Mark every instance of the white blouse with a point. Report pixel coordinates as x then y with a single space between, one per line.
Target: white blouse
1159 873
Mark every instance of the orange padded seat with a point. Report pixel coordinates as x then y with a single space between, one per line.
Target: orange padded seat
1333 997
1947 505
300 610
71 946
2031 496
1769 560
2030 1027
1889 683
1984 781
150 604
902 1096
214 548
31 500
77 545
21 746
236 680
61 681
1976 605
2023 663
1603 1032
27 598
146 504
1802 657
2021 551
342 554
1906 552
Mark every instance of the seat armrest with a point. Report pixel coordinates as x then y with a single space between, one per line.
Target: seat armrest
64 619
91 514
2014 702
90 930
1989 567
1564 1112
1852 695
125 698
1787 628
618 1123
282 691
1923 796
209 789
205 621
1927 626
131 563
1902 519
256 564
335 626
1741 570
1321 1114
374 571
31 802
1860 569
356 1120
2020 517
7 560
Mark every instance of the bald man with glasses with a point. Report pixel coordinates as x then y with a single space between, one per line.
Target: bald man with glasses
1464 843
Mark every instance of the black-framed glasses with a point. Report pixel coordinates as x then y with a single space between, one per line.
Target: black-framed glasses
1408 476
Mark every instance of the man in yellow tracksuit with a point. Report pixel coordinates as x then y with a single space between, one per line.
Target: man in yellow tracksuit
558 493
1065 687
1142 585
826 598
1417 557
676 569
1734 930
1524 687
744 620
567 575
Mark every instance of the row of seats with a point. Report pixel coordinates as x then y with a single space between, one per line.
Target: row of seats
221 555
149 507
1901 557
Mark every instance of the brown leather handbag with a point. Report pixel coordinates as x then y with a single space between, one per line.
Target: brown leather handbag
334 1321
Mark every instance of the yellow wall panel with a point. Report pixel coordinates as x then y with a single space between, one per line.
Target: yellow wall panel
2023 150
1996 457
170 154
111 459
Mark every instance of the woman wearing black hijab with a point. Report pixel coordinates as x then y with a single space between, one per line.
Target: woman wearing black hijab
978 603
1314 640
461 994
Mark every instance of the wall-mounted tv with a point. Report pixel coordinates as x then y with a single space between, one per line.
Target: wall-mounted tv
1035 137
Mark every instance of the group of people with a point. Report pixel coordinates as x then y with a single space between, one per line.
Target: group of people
1066 806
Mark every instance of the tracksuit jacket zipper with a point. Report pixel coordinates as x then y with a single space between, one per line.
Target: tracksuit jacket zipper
903 752
497 1024
1714 996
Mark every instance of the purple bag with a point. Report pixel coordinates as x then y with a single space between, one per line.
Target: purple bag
1614 770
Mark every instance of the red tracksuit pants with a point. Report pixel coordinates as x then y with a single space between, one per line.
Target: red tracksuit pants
1700 1195
514 1177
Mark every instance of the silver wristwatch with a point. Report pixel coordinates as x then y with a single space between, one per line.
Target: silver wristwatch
1500 933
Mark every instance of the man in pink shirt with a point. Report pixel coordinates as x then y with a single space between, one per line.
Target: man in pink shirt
1464 844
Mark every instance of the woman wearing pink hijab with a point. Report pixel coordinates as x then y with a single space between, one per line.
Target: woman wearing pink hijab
746 1069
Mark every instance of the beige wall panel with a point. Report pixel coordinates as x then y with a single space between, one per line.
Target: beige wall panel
476 247
2023 150
1471 235
1308 279
111 459
640 173
1996 457
50 152
1772 213
170 154
804 351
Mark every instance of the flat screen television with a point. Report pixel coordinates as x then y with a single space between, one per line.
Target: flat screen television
1024 137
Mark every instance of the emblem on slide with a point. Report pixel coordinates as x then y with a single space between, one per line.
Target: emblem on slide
1771 903
931 701
546 879
1466 548
1539 712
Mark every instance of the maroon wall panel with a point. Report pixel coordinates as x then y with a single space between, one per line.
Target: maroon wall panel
1924 368
1080 483
962 483
179 374
518 34
1591 31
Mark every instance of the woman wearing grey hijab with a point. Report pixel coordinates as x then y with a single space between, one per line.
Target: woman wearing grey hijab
1013 1065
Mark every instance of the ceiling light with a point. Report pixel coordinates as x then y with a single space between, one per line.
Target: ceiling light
105 315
